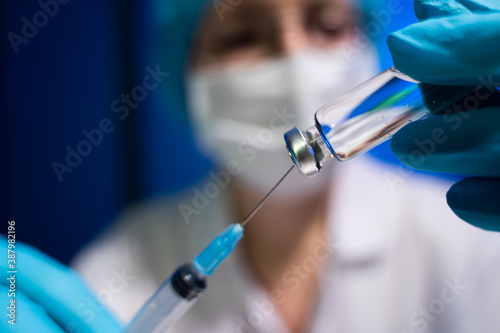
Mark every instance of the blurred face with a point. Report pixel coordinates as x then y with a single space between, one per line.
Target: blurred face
264 61
259 29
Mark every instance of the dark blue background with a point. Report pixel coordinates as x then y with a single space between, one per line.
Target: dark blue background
64 81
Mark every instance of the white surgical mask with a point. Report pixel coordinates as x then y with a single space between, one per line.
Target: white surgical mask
240 113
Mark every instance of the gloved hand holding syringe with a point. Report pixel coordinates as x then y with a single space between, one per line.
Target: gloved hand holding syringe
382 106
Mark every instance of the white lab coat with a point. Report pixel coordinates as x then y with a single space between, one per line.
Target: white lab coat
398 250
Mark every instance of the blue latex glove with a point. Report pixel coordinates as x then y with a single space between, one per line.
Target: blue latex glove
50 297
457 43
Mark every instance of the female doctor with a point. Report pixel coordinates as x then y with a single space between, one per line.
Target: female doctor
351 250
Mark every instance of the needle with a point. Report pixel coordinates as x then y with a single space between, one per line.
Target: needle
256 209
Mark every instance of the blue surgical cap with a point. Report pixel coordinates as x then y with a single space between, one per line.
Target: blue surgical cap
176 22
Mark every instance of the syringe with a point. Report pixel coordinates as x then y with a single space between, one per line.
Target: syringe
181 290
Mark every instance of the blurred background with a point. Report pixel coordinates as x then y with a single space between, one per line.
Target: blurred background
60 85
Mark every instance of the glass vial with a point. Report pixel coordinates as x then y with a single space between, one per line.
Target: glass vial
365 117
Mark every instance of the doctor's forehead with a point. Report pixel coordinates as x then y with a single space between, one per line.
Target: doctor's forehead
276 7
234 9
286 3
252 29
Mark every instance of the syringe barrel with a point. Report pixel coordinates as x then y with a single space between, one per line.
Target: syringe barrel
364 117
177 294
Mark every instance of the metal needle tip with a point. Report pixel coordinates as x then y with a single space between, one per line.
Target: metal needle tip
256 209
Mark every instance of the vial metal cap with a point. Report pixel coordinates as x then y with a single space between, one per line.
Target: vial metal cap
301 152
